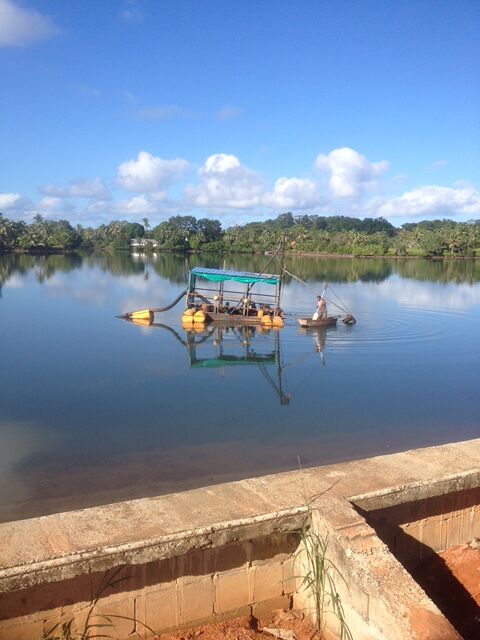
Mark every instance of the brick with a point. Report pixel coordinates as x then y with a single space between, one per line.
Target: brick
290 573
195 599
267 581
232 556
159 610
276 547
112 608
455 532
263 610
432 533
21 632
476 522
231 590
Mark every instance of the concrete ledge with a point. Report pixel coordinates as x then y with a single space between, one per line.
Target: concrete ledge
62 547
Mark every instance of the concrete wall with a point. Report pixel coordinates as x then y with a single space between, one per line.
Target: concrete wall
253 576
228 549
419 528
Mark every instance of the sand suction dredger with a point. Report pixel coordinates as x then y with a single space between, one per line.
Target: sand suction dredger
239 298
213 295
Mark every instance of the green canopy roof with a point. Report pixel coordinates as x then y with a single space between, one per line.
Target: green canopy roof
218 275
225 361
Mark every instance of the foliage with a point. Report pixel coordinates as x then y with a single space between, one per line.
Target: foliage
332 235
319 582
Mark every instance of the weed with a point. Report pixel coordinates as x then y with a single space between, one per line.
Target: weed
320 573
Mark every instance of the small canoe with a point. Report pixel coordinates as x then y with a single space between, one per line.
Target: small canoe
329 321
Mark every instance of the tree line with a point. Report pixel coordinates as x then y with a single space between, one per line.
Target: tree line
336 235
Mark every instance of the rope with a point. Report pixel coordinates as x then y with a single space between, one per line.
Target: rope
342 306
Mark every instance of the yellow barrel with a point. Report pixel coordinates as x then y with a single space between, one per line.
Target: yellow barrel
278 321
198 327
267 320
144 314
200 316
142 322
189 312
187 324
260 313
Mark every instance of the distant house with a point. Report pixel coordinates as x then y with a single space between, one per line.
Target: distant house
143 243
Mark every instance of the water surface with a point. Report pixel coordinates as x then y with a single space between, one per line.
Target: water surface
95 409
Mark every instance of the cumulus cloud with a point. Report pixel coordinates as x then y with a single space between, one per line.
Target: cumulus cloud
164 112
229 112
351 174
53 206
226 183
21 26
136 206
10 201
78 189
433 201
149 173
293 193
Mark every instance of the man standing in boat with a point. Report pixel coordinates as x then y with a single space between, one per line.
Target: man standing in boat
321 311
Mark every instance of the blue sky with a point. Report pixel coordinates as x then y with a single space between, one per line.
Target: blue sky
125 109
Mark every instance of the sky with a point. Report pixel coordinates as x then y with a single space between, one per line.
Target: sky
239 110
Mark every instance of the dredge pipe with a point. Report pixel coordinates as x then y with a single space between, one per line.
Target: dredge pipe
147 314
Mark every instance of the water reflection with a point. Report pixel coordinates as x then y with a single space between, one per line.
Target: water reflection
175 268
216 346
94 409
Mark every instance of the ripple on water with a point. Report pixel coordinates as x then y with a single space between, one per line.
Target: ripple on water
409 326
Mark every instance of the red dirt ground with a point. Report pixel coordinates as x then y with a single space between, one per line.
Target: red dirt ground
249 629
452 580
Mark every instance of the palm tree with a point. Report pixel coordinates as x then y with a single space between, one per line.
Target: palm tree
146 224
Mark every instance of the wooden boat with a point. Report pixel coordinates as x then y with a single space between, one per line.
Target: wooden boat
329 321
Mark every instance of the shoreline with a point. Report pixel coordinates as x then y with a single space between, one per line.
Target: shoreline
291 254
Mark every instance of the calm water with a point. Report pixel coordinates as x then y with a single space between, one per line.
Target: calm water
95 409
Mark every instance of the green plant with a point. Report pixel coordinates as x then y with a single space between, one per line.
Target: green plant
319 582
319 572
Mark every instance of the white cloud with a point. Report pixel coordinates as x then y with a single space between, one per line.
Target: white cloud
78 189
164 112
20 26
136 206
149 173
226 183
229 112
10 201
293 193
351 174
433 201
53 206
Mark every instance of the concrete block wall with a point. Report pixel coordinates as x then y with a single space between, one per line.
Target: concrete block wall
380 599
417 528
206 554
202 585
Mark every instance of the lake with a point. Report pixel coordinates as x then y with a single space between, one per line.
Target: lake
95 409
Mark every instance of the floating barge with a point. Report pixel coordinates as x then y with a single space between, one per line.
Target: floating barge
213 295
